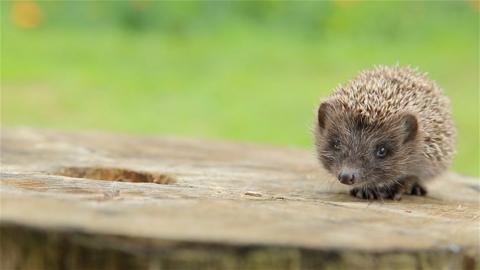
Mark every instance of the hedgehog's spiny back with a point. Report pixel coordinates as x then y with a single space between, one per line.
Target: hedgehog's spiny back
385 92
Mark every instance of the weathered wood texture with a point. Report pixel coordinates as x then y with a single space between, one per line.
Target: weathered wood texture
165 203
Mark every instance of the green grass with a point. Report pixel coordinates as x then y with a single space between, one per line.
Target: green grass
240 81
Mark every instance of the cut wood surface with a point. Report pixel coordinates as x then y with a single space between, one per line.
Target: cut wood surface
84 200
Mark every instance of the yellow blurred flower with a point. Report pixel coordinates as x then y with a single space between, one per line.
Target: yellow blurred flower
475 4
26 14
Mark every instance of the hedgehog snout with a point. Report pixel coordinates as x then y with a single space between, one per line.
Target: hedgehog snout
348 176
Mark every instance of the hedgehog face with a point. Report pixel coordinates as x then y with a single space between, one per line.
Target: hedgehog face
360 151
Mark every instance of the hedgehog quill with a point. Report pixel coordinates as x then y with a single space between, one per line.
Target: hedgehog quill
385 133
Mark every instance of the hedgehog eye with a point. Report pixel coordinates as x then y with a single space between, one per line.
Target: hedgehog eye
381 152
335 143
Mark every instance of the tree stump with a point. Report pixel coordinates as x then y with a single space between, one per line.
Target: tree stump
103 201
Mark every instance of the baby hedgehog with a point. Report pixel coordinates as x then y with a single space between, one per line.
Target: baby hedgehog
385 132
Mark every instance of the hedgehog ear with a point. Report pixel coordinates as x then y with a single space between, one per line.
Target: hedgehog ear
410 126
322 113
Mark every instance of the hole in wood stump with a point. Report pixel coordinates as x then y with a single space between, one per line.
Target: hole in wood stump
116 174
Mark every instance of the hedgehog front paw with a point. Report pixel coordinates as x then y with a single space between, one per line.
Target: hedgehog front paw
393 192
413 186
364 193
417 189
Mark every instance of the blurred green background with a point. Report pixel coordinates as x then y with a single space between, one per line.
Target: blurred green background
250 71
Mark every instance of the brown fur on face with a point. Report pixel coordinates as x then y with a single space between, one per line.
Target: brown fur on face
349 141
386 125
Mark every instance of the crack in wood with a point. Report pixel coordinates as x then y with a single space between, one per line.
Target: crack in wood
116 174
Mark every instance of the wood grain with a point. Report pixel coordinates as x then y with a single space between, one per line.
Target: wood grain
104 201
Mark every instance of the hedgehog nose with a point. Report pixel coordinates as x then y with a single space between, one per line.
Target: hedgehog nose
347 177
